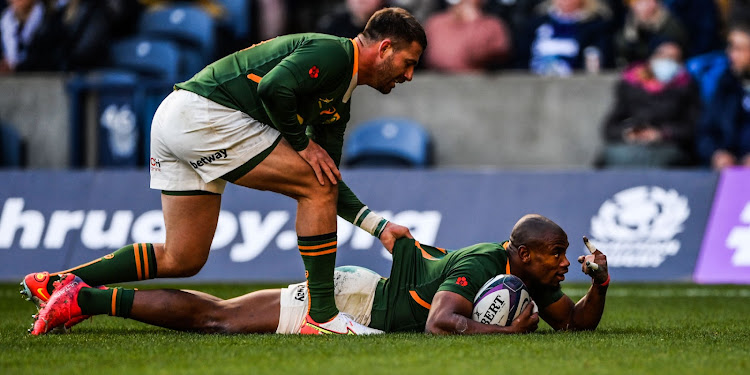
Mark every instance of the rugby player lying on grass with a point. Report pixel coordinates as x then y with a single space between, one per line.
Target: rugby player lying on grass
430 289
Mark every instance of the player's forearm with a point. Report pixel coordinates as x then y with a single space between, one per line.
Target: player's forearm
456 324
588 311
351 209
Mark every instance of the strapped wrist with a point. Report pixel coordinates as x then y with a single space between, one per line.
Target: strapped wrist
369 221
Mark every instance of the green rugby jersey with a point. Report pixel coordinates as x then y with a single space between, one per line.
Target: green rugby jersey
299 84
402 302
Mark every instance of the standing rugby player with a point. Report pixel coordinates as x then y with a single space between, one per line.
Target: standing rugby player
270 117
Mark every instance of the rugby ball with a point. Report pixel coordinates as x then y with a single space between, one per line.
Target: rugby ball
500 300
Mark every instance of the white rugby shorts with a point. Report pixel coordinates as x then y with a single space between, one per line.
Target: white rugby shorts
194 141
354 290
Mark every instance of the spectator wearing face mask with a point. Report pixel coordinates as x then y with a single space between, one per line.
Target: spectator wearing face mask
724 130
652 122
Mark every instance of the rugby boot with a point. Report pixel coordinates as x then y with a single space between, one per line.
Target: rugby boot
34 288
62 308
341 324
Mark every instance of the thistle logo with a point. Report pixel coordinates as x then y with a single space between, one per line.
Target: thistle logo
122 131
637 226
739 239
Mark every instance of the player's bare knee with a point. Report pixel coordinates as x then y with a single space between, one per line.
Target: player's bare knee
321 194
181 266
220 319
207 323
191 268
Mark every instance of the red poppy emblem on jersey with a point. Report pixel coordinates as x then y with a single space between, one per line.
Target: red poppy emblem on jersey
314 72
462 281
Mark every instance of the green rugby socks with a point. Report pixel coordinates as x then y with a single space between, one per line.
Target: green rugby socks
113 301
130 263
319 255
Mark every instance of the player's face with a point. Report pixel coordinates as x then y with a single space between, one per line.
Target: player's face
397 66
549 262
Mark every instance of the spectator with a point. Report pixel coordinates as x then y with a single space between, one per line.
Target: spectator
738 11
517 14
350 21
420 9
652 122
68 35
86 27
212 7
702 24
469 39
556 39
124 17
272 18
724 132
26 36
646 21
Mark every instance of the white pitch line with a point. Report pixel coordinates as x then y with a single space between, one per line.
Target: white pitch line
681 293
612 292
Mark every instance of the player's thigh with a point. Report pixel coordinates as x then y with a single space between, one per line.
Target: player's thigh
190 222
256 312
198 144
284 171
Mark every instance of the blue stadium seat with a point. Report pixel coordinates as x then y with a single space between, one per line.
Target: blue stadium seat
389 142
706 69
237 17
11 147
189 26
119 92
151 58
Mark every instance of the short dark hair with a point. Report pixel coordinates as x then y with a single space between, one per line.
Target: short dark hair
658 41
741 26
396 24
533 230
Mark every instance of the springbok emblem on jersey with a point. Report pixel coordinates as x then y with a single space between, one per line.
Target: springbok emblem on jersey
328 111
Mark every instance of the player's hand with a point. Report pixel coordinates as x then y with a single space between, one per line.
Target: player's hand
391 233
528 321
594 264
321 163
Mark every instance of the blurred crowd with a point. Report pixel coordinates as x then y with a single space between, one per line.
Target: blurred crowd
683 98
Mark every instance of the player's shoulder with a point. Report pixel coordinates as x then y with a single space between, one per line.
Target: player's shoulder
483 247
491 254
330 56
329 46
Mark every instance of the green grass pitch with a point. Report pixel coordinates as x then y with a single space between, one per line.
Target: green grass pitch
646 329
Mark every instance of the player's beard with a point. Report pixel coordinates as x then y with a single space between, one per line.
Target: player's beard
385 73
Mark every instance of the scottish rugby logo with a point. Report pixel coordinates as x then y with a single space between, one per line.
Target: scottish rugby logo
637 226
